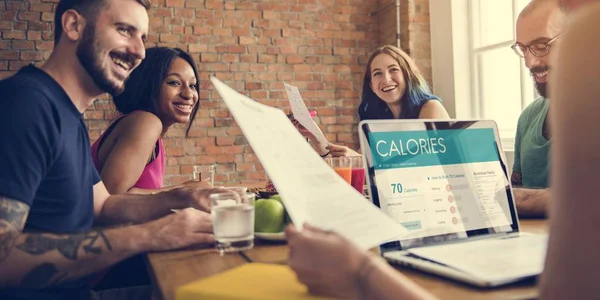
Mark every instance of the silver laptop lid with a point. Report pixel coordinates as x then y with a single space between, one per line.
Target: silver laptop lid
443 180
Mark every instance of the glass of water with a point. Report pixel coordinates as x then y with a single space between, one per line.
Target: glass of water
204 173
233 220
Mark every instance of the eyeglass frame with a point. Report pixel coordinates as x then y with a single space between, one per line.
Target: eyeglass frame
528 47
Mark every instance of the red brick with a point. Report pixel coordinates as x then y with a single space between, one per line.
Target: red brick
41 7
231 58
247 40
225 140
9 55
175 3
12 6
31 55
13 35
270 15
214 4
209 57
23 45
44 45
29 16
236 49
254 86
265 58
6 25
17 65
294 59
48 16
221 31
34 35
169 38
162 12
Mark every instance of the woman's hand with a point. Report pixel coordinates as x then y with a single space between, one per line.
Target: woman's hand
327 263
333 149
339 150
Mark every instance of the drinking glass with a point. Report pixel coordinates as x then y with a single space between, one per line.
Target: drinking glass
358 173
341 165
233 220
204 173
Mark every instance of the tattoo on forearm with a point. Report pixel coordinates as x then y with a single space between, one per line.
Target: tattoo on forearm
13 214
7 240
47 274
41 276
38 244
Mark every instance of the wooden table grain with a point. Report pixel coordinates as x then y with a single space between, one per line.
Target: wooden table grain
172 269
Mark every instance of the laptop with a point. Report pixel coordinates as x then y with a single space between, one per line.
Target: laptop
447 182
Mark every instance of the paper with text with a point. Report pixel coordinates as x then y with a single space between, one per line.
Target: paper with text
311 190
302 114
493 259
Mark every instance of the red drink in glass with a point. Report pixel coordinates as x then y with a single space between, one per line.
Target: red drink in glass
358 179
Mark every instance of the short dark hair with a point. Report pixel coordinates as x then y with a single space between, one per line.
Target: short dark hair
87 8
142 89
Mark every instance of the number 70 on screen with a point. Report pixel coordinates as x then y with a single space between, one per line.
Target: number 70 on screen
396 188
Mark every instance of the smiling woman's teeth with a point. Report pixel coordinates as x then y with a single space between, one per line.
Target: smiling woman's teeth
388 88
183 106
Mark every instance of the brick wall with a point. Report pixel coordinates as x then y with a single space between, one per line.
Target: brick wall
414 30
415 36
318 45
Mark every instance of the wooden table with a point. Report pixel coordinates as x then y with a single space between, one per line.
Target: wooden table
172 269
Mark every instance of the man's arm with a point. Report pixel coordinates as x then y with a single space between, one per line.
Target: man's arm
35 260
38 260
529 202
133 208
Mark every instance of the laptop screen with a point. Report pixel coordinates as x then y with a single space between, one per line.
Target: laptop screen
441 180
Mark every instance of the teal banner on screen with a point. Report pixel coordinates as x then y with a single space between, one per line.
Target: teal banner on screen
404 149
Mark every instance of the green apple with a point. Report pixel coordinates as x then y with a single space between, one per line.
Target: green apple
268 215
286 217
277 197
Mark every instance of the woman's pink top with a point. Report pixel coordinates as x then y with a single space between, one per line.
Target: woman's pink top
154 172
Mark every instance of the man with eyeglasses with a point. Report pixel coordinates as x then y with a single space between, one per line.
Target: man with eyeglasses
539 26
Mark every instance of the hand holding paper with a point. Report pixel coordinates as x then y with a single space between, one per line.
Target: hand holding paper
302 114
311 190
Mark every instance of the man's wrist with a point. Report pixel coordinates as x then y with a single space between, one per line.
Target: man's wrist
179 198
143 233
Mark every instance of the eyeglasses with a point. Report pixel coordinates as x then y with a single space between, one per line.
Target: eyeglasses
539 49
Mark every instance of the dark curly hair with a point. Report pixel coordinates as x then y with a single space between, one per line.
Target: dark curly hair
142 89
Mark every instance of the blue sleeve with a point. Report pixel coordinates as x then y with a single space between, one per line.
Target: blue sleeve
29 135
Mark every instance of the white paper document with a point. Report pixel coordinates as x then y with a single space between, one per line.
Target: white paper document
302 114
493 259
311 190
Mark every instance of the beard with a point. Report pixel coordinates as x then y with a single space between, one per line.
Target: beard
89 57
541 87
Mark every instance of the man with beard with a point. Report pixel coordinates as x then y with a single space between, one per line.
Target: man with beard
50 192
539 26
